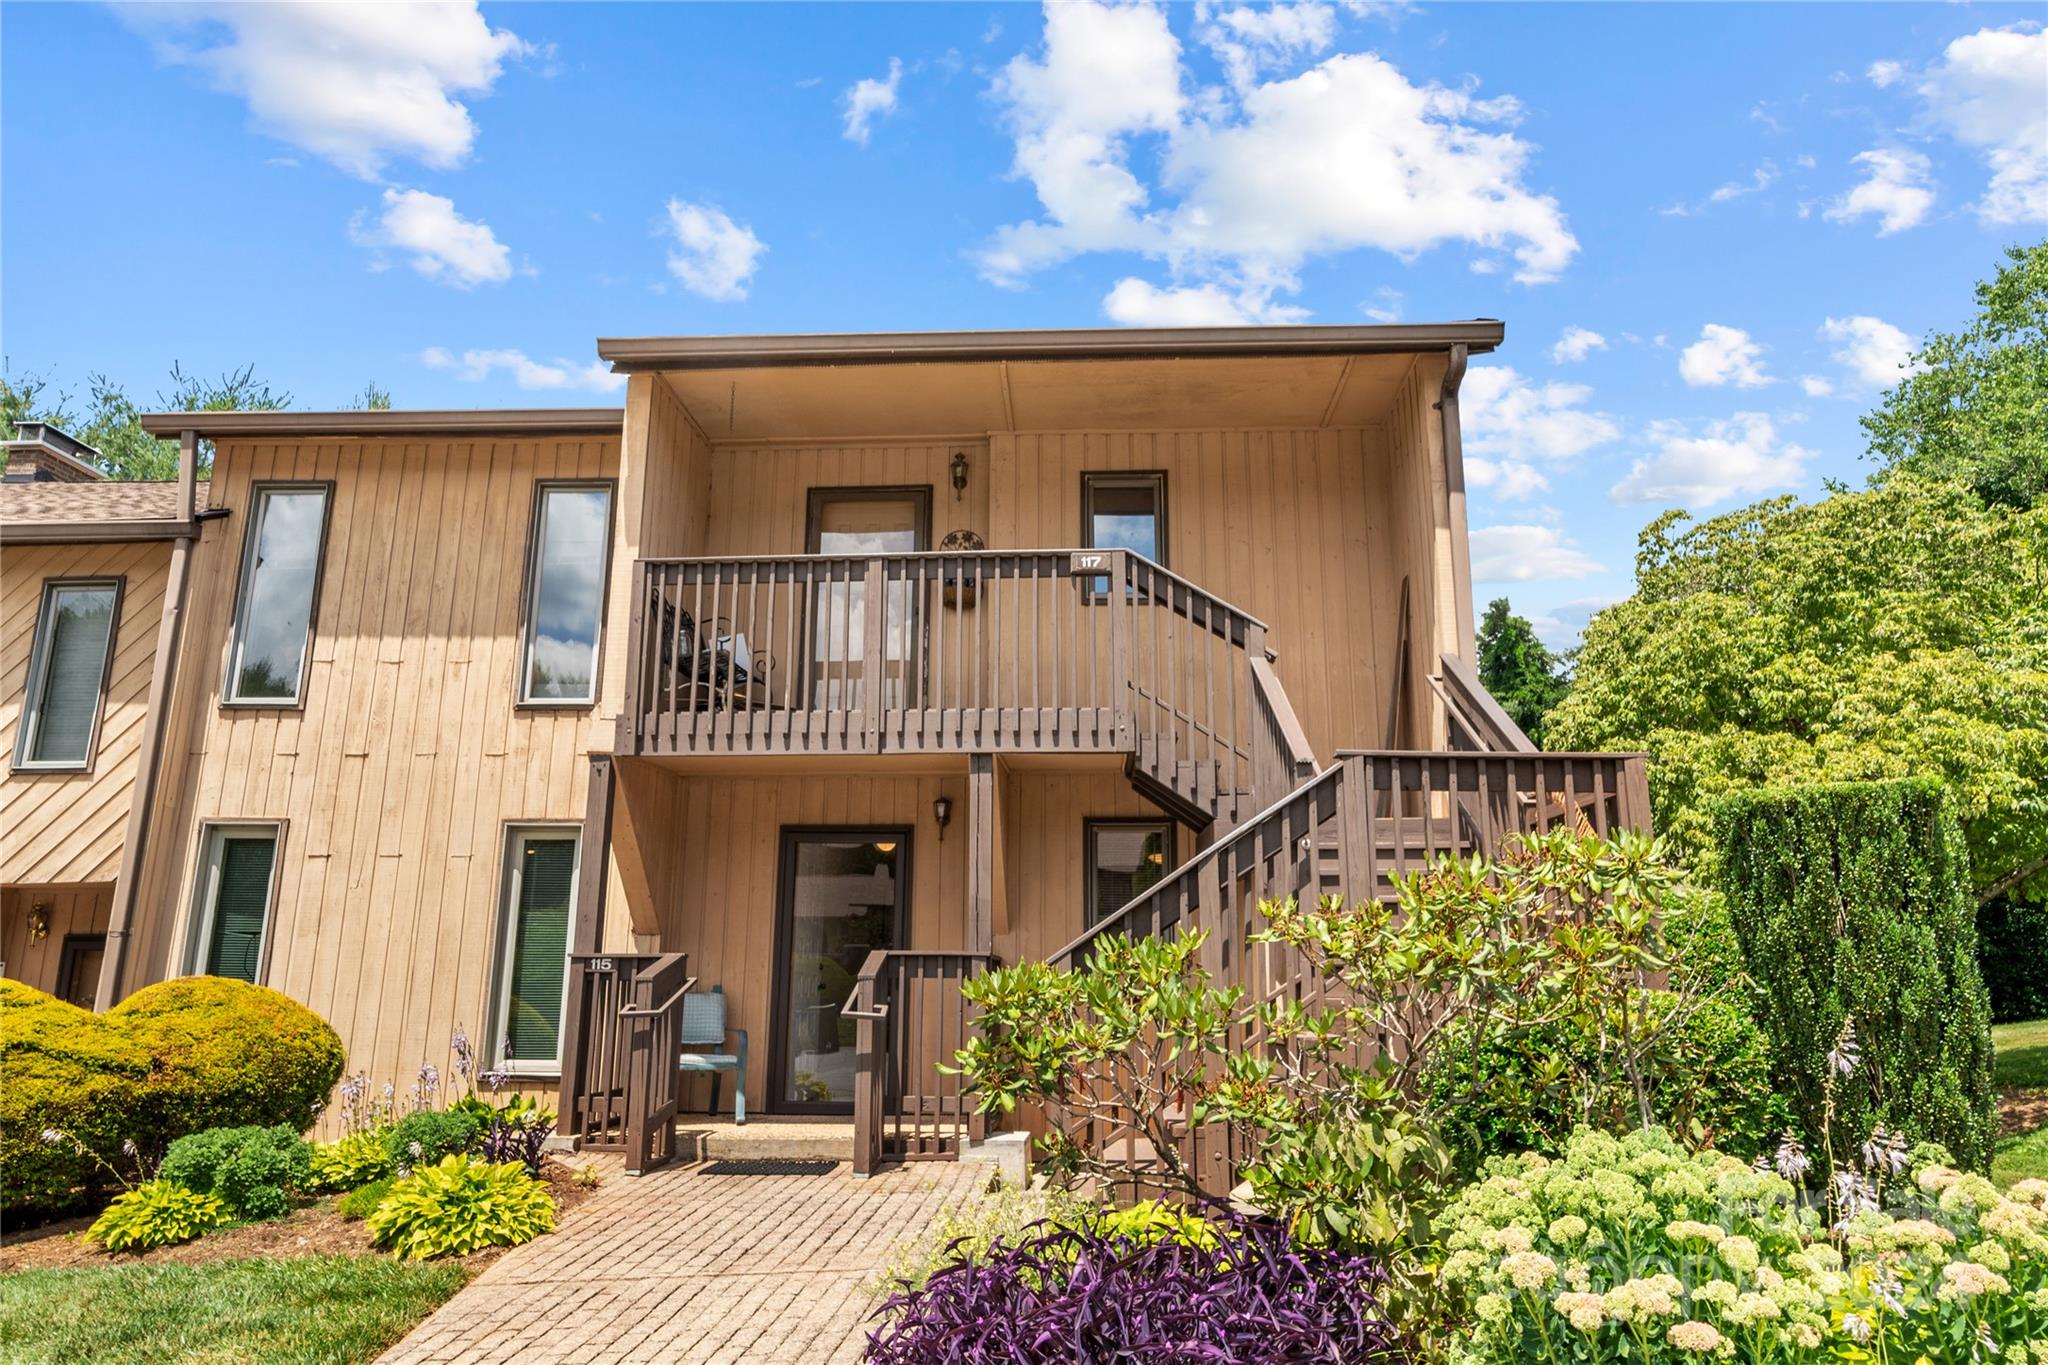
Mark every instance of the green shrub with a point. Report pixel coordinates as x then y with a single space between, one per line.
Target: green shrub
172 1059
1853 900
362 1201
423 1138
158 1214
1631 1249
459 1206
255 1171
2012 951
349 1162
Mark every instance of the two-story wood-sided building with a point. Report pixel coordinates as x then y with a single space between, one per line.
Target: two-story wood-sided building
843 665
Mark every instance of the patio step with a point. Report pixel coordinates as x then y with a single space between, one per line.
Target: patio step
786 1137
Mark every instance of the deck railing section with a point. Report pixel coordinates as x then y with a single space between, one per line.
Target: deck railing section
652 1024
983 651
595 1077
912 1017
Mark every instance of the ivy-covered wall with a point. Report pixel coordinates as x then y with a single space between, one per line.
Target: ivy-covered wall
1854 899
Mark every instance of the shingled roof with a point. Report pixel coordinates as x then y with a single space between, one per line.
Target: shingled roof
110 503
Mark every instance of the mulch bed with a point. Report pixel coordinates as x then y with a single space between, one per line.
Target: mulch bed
2022 1111
314 1230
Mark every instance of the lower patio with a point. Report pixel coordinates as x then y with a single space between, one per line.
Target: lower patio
687 1266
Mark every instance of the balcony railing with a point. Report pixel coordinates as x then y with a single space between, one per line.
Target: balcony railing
984 651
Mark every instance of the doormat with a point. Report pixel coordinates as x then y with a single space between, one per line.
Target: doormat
769 1166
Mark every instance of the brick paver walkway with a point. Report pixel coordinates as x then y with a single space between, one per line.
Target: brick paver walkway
678 1266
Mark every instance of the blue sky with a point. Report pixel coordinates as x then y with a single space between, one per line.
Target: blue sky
1711 230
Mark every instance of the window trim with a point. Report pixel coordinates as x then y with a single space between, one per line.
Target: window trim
1154 479
1092 827
501 950
38 662
67 958
252 528
529 585
213 837
818 496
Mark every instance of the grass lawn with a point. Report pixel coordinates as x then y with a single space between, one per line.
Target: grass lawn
311 1308
2022 1065
2022 1055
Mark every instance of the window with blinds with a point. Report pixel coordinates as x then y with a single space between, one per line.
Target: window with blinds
234 902
1124 858
274 604
67 675
540 887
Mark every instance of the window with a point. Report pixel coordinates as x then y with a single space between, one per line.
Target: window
1123 512
232 924
540 889
67 674
565 593
274 606
78 969
1124 858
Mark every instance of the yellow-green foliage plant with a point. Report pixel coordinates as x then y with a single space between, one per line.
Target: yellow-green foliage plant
175 1058
1633 1250
459 1206
350 1162
157 1214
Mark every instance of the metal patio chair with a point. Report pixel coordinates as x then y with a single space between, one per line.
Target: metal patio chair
704 1026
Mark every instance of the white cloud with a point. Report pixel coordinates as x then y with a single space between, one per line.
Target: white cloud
1884 73
526 372
1723 355
1575 344
1897 188
714 256
1873 350
1760 179
1719 460
444 246
1816 385
868 98
1527 554
1504 415
1385 305
1255 180
1250 41
1140 303
355 84
1986 92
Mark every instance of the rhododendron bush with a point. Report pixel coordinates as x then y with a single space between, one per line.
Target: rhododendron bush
1633 1250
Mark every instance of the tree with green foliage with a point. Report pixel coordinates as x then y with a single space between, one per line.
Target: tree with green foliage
1524 677
1975 407
1900 631
111 422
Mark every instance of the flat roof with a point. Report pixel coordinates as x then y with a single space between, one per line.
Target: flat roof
1478 336
417 422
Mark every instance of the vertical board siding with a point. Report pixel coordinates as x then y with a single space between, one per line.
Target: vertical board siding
73 910
757 500
64 827
397 779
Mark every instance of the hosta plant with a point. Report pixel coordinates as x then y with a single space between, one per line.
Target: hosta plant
1631 1250
157 1214
350 1162
459 1206
1071 1293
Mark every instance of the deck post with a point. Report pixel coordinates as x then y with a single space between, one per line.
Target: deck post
593 874
982 835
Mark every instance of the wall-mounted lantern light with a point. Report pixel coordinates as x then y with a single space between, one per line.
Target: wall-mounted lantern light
942 812
959 474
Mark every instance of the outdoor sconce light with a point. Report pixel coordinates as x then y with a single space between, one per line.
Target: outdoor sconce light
942 811
39 922
959 479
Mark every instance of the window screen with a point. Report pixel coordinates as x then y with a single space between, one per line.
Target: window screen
542 883
274 610
70 669
565 600
1124 859
240 890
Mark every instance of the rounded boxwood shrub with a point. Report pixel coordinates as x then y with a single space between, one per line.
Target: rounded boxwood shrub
254 1171
172 1059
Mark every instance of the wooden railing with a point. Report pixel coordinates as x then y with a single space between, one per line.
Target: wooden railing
1474 720
912 1018
621 1083
983 651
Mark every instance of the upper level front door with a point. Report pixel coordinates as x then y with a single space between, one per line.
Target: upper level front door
862 522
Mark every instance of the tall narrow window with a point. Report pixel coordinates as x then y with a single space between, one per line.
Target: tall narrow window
1124 858
232 924
274 608
67 674
565 593
540 888
1123 512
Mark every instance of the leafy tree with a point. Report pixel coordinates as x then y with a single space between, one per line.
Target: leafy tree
371 399
111 421
1900 631
1978 409
1522 675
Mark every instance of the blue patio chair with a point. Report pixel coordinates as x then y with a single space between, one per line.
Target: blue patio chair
704 1026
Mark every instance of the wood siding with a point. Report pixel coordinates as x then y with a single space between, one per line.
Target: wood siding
397 780
72 910
65 827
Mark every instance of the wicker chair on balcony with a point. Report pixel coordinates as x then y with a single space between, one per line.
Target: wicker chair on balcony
704 1026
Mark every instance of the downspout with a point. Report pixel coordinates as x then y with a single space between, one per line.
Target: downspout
1454 490
163 673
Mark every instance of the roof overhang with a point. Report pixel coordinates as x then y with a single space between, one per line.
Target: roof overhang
373 425
958 384
91 532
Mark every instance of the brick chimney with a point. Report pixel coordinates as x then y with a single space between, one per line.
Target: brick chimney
40 453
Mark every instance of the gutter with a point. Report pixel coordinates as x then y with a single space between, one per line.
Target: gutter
1454 500
162 677
93 532
368 425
